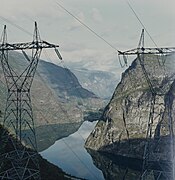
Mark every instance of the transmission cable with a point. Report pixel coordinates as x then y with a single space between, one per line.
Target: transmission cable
47 122
47 129
64 141
15 25
129 4
20 28
86 26
152 106
71 76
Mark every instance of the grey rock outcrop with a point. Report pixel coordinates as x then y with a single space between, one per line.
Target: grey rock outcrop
123 126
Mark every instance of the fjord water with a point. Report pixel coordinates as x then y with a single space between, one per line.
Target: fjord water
70 155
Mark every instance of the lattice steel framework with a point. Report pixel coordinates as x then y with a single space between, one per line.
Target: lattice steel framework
18 149
157 163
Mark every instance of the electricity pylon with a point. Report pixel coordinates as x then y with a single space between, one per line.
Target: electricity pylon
158 158
18 149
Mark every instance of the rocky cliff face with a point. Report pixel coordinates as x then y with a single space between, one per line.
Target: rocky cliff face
123 126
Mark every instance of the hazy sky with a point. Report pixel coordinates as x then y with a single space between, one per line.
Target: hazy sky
111 19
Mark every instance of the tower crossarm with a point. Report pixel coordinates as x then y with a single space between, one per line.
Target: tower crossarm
21 160
141 50
28 45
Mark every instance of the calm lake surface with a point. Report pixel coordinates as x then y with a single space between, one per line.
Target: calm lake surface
70 155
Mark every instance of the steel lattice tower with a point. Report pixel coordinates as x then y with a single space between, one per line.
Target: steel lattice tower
156 163
18 150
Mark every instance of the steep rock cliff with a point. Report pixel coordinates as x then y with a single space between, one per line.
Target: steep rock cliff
123 126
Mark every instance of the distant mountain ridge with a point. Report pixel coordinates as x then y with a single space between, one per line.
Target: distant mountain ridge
102 83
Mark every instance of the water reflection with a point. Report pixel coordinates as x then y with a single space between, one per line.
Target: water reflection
70 155
123 168
116 167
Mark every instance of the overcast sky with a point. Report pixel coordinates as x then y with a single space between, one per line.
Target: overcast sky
111 19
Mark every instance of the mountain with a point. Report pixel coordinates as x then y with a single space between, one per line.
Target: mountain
102 83
97 76
58 99
123 126
63 81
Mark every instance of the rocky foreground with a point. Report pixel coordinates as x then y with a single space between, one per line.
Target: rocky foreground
48 171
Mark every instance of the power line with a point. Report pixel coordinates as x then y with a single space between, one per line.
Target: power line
22 29
86 26
15 25
129 4
68 146
63 140
64 111
67 116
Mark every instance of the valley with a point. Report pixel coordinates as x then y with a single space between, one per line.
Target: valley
82 95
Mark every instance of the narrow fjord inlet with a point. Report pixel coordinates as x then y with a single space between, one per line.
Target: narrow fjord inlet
102 107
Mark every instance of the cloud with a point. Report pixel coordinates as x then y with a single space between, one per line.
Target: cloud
71 47
19 10
96 15
75 24
94 59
